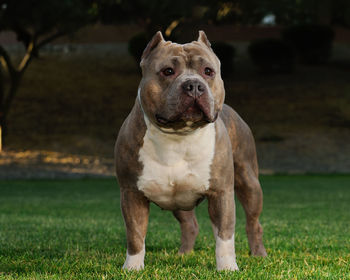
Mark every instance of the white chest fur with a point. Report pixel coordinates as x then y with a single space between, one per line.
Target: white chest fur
176 168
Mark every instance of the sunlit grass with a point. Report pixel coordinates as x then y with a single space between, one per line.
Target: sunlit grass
73 229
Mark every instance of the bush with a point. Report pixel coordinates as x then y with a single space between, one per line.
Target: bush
137 44
226 53
272 55
313 43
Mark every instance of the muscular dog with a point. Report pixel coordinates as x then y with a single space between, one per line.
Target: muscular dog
181 144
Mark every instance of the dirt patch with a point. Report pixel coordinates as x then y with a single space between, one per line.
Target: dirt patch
47 164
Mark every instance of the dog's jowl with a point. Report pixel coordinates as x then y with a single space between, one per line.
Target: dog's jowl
181 144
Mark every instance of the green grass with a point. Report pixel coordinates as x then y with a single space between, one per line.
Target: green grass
73 229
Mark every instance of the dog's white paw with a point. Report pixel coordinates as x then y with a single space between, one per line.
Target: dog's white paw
225 253
135 262
226 263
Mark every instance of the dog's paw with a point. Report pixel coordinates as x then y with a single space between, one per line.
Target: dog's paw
135 262
226 263
259 251
133 266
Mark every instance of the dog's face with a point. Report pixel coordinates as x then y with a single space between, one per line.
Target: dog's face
181 87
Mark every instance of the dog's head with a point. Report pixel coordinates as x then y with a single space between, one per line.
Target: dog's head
181 87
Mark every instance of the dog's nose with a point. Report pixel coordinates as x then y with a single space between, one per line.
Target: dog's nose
194 88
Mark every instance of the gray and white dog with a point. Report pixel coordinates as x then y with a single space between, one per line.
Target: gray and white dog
181 144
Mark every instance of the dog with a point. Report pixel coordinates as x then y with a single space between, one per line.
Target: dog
181 144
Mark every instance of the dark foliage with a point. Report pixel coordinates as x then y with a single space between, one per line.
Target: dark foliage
313 43
272 55
226 53
35 18
137 44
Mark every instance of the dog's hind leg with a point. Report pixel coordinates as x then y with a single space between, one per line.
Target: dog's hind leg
189 229
249 193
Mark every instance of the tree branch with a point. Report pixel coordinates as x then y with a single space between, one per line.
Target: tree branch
51 38
33 48
11 93
2 88
31 51
23 35
6 61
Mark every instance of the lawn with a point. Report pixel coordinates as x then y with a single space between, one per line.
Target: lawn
73 229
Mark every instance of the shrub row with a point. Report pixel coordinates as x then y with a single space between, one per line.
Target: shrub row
311 44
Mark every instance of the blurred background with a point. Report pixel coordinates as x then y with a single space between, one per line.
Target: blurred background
69 74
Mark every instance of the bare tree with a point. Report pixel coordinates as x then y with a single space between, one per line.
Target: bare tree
35 23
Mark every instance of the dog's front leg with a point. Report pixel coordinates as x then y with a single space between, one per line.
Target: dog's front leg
222 214
135 208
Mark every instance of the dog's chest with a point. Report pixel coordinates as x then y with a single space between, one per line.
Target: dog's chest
176 169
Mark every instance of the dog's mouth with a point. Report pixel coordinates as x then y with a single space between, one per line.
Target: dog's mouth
196 113
193 113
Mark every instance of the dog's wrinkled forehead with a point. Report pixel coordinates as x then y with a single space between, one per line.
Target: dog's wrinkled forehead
160 54
190 55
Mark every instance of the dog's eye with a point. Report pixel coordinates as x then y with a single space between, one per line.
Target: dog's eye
168 71
208 72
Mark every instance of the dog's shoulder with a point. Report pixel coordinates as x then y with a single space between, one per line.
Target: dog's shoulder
232 119
241 136
128 144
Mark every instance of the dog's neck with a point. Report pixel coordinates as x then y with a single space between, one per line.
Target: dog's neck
171 133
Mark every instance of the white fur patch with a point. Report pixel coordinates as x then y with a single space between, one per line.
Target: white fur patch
176 168
225 252
135 262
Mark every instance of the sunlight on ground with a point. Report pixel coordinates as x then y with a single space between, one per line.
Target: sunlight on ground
34 163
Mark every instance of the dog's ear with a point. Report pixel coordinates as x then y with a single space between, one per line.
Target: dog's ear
202 38
157 38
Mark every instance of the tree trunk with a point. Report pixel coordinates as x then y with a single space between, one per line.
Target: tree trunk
3 131
2 94
5 104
